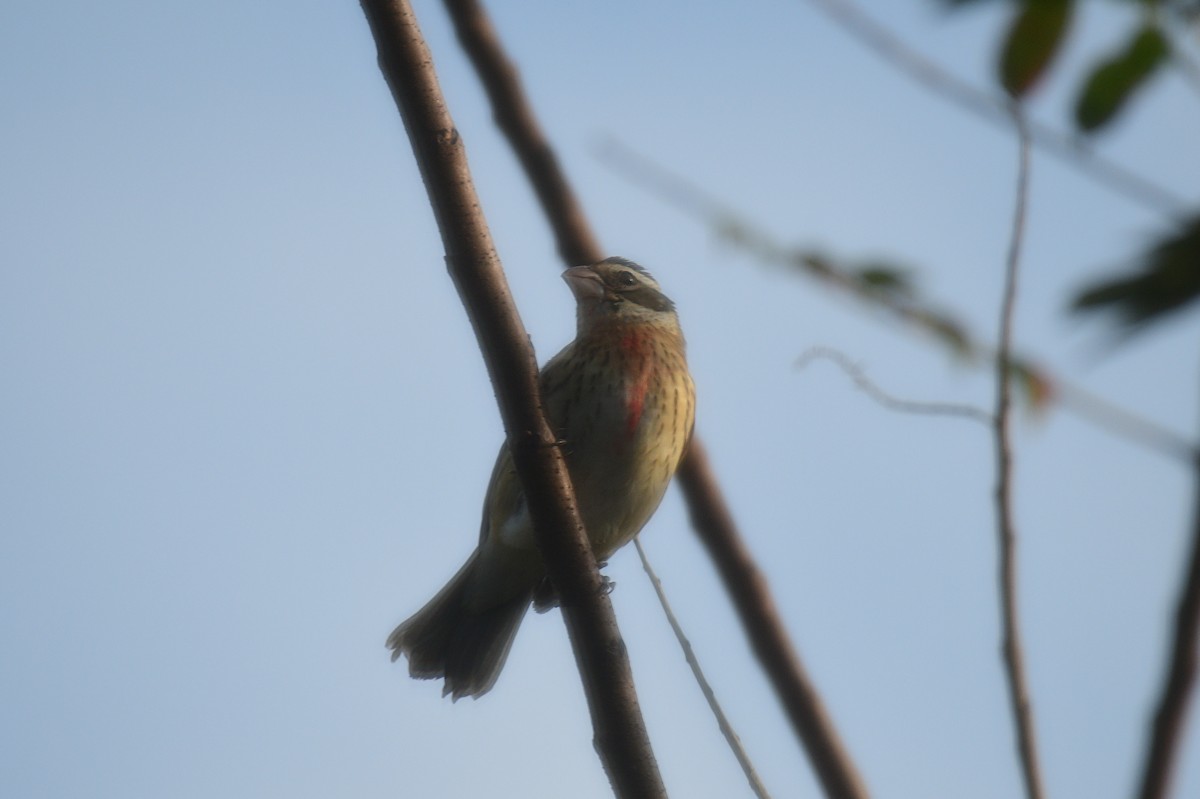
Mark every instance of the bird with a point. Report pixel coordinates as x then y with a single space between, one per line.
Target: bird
621 402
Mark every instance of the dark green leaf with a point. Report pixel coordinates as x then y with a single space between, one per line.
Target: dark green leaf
814 262
946 330
885 279
1035 37
1168 280
1117 78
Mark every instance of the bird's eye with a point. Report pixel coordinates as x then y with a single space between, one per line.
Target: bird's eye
626 279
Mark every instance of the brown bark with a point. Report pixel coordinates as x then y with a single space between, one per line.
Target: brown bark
620 733
710 515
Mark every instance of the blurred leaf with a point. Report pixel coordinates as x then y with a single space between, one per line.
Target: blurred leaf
1036 34
885 279
1168 280
948 331
814 262
1189 11
1036 387
1116 79
730 229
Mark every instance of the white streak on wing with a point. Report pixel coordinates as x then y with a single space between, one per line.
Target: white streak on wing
515 531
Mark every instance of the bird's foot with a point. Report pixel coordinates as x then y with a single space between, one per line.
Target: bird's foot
607 585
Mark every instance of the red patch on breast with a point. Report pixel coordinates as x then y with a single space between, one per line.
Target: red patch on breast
636 352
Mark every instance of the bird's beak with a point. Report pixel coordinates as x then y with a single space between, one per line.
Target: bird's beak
585 283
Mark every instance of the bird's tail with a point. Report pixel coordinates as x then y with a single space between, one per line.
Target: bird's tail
452 639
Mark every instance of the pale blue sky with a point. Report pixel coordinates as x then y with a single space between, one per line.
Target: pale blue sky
245 428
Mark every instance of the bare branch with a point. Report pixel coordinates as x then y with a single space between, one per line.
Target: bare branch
1120 422
517 122
885 399
1069 149
1005 527
620 734
710 515
1181 59
1168 729
731 736
765 629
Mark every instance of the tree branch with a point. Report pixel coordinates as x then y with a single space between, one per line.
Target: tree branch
1005 527
1167 731
710 515
516 120
1068 149
765 629
620 734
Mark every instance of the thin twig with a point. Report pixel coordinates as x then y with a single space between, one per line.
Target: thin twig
1123 423
992 108
1168 729
731 736
855 372
1006 529
710 514
945 327
620 733
765 630
1188 68
1181 59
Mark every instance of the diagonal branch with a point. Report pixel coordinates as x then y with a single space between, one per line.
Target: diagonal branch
515 118
1068 149
764 627
620 734
710 515
1006 529
1168 729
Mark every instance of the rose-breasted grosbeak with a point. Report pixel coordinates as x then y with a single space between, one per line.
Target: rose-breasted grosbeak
621 399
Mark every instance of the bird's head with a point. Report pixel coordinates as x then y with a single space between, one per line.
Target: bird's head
617 290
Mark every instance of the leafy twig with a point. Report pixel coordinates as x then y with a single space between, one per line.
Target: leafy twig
994 109
897 299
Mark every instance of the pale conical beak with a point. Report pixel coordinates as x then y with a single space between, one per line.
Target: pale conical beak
585 283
